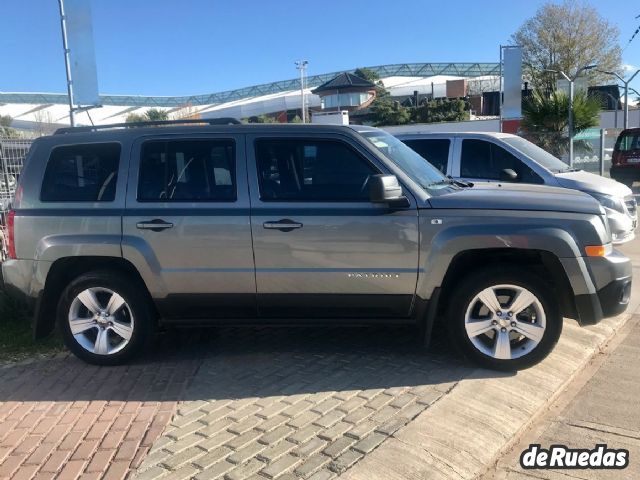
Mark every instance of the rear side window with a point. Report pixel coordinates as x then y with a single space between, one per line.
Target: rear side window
485 160
311 171
82 173
187 171
435 151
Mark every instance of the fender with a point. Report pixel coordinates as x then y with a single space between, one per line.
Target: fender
438 254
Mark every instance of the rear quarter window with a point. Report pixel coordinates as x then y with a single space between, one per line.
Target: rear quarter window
82 173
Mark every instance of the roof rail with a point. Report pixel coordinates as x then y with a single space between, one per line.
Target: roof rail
156 123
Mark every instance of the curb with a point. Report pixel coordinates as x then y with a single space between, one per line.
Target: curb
484 415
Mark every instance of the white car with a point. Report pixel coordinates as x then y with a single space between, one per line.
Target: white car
502 157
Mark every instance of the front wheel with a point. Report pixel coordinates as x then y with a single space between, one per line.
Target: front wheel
504 319
104 318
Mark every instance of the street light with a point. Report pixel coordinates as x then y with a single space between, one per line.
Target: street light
571 80
302 66
626 93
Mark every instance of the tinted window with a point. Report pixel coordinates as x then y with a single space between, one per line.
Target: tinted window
628 142
311 170
485 160
82 173
187 171
435 151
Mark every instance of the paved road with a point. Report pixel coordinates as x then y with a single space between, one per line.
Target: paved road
605 411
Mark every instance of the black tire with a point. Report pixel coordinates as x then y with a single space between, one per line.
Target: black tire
138 302
464 293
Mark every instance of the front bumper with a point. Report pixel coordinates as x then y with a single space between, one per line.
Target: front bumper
611 277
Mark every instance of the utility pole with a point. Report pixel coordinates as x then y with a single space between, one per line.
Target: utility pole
571 81
302 66
626 93
65 45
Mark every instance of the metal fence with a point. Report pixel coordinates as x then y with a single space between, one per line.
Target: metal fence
12 154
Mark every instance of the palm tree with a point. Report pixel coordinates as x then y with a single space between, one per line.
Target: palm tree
545 119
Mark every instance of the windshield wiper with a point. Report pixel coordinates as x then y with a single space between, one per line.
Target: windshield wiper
460 183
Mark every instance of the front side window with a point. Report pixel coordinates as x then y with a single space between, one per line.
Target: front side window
435 151
187 171
311 170
485 160
82 173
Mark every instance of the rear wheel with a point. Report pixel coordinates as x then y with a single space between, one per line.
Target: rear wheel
504 319
105 318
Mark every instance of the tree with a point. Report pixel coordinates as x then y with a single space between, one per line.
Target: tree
567 37
384 110
636 33
151 115
441 110
5 127
545 118
387 112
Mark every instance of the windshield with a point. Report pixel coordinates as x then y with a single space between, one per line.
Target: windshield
538 154
416 167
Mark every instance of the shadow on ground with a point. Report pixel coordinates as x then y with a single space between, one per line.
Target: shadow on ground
242 363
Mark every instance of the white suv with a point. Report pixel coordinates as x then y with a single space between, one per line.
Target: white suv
502 157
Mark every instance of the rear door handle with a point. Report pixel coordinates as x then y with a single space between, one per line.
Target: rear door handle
156 225
284 225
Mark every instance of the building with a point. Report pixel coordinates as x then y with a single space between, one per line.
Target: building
346 91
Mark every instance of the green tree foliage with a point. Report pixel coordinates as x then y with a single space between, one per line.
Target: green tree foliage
387 112
545 118
384 110
296 119
441 110
5 127
151 115
261 119
156 115
567 36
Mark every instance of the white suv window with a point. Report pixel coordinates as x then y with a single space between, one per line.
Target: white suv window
485 160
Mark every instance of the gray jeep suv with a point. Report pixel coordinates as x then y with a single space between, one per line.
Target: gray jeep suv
116 230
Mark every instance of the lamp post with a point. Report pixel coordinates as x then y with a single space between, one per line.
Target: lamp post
67 63
571 81
626 93
302 66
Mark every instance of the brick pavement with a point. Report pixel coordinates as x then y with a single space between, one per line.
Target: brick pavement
298 403
61 418
220 403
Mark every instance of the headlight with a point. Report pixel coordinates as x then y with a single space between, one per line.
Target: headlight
609 201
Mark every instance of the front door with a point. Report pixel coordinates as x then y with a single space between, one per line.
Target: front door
322 249
186 225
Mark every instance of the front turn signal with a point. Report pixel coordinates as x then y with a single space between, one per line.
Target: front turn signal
598 250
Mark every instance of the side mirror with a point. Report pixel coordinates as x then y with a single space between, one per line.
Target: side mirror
386 189
508 175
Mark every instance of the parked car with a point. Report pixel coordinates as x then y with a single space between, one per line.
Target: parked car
506 158
118 230
625 161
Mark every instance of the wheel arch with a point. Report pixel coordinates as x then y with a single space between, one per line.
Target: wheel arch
542 263
62 272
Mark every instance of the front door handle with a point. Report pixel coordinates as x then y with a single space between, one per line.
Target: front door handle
156 225
284 225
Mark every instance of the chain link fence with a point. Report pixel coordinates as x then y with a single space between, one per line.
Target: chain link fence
12 154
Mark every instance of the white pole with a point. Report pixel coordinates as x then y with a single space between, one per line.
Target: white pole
63 24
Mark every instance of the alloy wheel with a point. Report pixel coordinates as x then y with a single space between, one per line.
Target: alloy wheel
505 322
101 321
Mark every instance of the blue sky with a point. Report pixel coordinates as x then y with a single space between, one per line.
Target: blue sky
180 47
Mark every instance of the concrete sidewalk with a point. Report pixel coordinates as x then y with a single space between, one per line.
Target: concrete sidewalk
604 411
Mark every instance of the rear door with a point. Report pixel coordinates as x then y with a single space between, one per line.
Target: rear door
186 224
437 151
322 249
